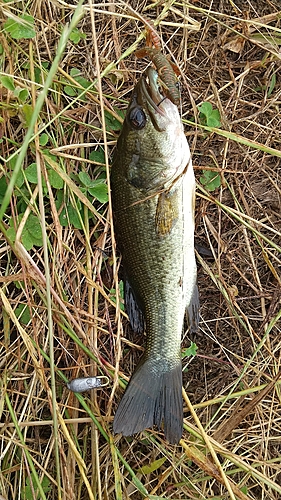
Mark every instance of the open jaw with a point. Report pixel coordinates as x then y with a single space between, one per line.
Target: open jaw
149 87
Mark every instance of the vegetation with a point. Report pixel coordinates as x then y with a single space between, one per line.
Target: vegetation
66 73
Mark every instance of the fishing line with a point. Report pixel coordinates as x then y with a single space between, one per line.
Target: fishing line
161 101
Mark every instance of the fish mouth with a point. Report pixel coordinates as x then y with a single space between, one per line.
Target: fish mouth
148 92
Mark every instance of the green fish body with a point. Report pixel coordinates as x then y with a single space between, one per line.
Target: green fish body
153 192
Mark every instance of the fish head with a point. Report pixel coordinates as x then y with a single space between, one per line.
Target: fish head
148 98
152 143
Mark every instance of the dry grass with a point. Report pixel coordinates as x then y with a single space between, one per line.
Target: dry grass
54 444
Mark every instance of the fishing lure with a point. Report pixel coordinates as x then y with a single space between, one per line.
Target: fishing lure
152 37
167 71
86 383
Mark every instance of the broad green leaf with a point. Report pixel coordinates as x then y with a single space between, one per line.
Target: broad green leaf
21 94
83 82
29 490
34 226
85 178
216 114
31 173
70 91
190 351
43 139
74 72
22 312
11 233
75 217
76 36
38 71
20 179
100 192
3 187
111 123
206 109
22 27
27 111
7 82
69 215
29 241
55 179
97 156
213 122
209 116
147 469
211 180
12 162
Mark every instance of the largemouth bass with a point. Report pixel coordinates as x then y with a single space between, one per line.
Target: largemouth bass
153 190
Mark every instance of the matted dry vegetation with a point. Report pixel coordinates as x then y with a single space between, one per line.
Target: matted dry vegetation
57 445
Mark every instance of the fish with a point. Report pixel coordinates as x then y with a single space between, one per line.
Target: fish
153 198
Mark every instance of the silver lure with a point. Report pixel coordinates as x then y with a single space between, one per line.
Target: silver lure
86 383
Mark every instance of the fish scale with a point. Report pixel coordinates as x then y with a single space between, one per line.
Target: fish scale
153 187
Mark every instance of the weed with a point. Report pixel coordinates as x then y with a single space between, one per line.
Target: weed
210 180
22 312
189 351
112 295
209 116
20 27
31 487
76 36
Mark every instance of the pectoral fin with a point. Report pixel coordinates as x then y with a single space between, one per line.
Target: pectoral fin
166 213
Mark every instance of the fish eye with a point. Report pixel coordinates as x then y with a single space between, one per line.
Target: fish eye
137 118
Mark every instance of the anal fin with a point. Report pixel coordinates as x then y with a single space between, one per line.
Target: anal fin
193 311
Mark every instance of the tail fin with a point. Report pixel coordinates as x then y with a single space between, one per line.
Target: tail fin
154 394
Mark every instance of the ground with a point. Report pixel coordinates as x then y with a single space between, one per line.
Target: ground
64 89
